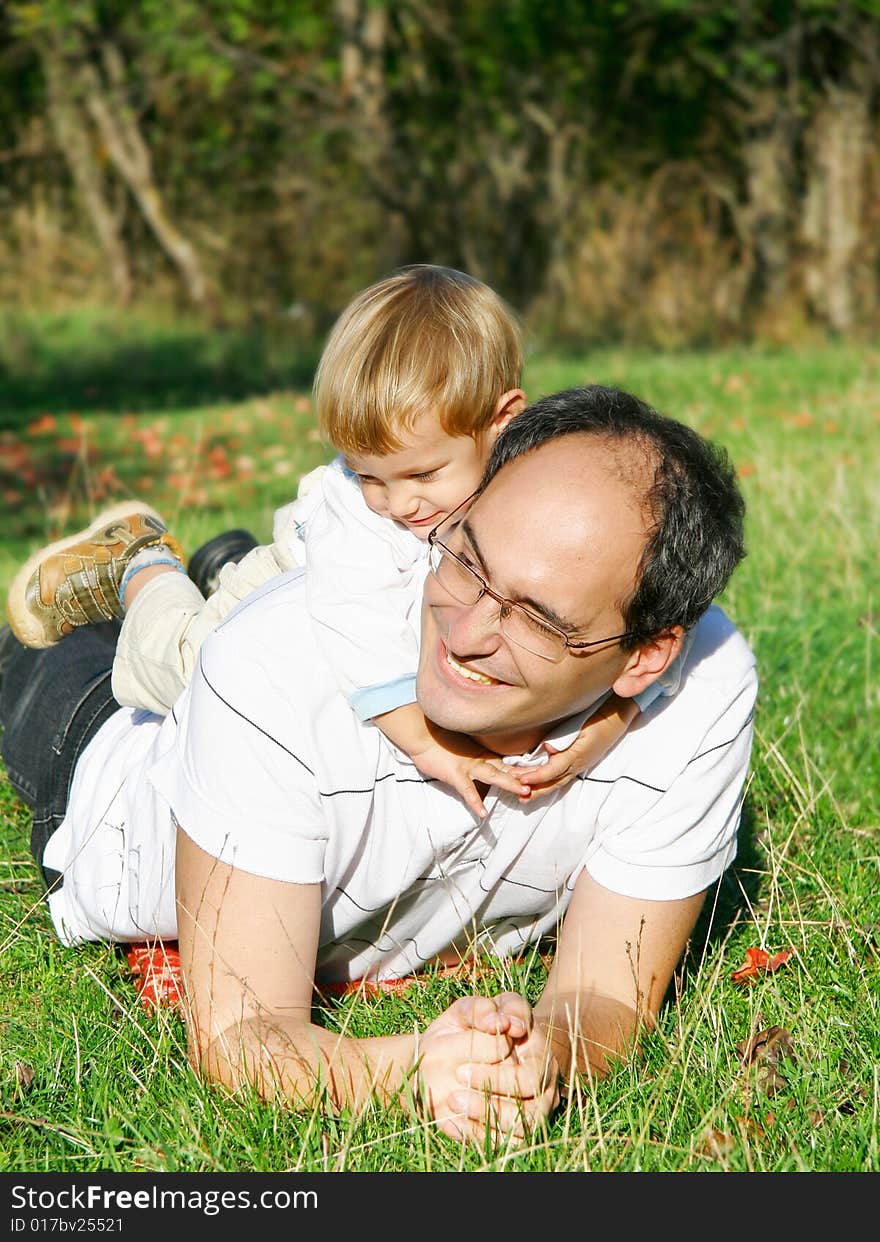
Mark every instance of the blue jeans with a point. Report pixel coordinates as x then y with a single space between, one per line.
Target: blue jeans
52 703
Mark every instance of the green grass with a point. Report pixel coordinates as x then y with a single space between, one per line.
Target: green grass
89 1081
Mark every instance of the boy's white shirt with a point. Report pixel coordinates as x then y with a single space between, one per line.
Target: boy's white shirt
358 564
350 552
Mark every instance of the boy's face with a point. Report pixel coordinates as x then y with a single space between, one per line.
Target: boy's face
422 482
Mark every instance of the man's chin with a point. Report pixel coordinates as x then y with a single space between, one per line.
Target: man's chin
449 710
452 702
449 714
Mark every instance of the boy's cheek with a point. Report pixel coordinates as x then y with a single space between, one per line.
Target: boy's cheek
373 499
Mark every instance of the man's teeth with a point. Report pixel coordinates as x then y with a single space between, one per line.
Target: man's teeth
469 672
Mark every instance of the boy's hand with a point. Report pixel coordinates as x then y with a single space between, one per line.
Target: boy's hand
461 763
562 767
598 734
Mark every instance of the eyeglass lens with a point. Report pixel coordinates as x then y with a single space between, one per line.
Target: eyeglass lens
465 586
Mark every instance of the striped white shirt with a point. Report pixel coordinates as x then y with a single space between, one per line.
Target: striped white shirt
265 766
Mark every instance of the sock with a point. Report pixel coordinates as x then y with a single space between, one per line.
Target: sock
155 554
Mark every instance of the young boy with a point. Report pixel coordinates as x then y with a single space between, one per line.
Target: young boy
420 374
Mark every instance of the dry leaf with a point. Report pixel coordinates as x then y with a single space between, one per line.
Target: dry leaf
763 1052
715 1143
24 1076
770 1046
770 1081
759 962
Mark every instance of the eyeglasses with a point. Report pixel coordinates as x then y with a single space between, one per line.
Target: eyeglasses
517 623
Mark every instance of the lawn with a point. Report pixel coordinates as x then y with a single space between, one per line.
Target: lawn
776 1074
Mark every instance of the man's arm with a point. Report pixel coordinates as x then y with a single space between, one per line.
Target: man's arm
248 947
613 965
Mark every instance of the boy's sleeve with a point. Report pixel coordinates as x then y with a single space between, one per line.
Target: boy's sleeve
668 682
363 592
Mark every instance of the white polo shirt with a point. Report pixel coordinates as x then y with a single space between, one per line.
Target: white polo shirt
266 767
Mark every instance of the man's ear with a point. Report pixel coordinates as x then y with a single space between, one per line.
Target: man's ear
649 660
508 405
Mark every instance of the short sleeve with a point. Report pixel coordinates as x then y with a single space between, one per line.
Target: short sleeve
669 843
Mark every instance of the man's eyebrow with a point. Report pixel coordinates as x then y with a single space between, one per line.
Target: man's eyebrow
533 604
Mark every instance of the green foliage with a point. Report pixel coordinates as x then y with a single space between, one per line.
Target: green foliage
60 363
302 155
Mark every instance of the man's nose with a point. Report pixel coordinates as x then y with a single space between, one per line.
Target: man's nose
474 629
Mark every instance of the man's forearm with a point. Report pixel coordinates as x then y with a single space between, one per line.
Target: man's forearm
586 1033
302 1063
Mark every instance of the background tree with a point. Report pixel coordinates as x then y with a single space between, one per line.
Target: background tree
658 170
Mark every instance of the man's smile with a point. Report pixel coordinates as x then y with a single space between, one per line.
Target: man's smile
470 673
457 672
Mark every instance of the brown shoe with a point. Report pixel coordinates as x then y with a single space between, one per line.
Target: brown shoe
76 581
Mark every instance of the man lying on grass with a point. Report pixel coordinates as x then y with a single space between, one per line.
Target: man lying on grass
282 841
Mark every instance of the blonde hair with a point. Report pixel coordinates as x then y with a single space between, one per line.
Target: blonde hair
423 339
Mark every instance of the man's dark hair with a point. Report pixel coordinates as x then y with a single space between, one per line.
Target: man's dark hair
695 507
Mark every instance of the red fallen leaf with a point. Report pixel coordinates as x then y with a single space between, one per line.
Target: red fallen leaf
158 978
715 1143
759 962
377 987
42 426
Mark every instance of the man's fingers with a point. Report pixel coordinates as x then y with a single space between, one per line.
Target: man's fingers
505 1078
506 1011
483 1013
473 1110
518 1010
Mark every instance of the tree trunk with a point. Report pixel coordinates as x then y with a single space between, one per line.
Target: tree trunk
72 133
363 27
832 223
557 192
115 122
768 159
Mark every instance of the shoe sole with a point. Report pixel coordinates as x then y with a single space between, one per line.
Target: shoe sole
207 561
23 624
